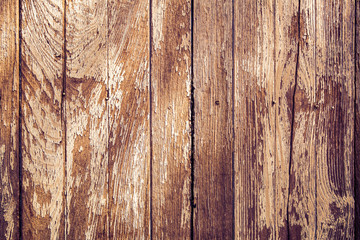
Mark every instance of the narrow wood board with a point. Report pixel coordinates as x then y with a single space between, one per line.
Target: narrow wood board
86 120
171 126
213 186
254 120
335 119
129 119
302 180
9 119
42 134
286 78
357 123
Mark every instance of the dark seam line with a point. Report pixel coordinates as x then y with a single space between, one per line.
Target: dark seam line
292 121
63 116
356 231
233 118
275 113
20 126
192 122
150 115
315 235
108 121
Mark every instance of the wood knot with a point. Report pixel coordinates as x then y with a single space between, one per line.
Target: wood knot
217 102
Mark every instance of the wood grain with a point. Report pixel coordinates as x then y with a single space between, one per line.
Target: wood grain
171 126
254 120
213 186
335 119
357 123
41 119
286 78
86 120
9 119
129 110
302 181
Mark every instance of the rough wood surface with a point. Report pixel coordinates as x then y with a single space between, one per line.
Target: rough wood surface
9 119
171 127
254 120
86 120
129 131
302 180
357 122
335 119
41 129
213 217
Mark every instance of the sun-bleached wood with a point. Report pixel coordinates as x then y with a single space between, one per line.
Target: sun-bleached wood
86 120
9 119
42 132
213 133
171 126
129 130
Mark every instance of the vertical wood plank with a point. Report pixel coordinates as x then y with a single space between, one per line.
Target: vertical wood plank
302 181
42 130
286 78
9 119
171 127
254 120
335 120
357 123
213 186
129 140
86 119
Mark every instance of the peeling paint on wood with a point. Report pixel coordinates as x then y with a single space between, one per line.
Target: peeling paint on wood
171 126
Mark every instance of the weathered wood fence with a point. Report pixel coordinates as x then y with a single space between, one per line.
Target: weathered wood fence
179 119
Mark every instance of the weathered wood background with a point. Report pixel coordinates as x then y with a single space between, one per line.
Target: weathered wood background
180 119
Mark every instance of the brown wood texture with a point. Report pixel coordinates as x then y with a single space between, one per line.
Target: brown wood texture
171 126
129 119
179 119
254 120
86 120
42 135
213 134
9 119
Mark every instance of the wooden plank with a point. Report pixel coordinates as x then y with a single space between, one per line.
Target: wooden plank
129 129
213 186
42 132
171 126
357 123
302 181
9 119
335 118
254 120
86 120
286 78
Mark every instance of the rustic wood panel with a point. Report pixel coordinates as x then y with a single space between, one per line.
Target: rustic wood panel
129 131
335 118
302 181
41 119
9 119
171 126
254 120
357 123
86 120
286 77
213 186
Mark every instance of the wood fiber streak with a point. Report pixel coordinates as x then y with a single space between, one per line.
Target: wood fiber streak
357 123
9 119
171 127
302 199
86 120
286 63
254 120
41 121
129 140
213 215
335 118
